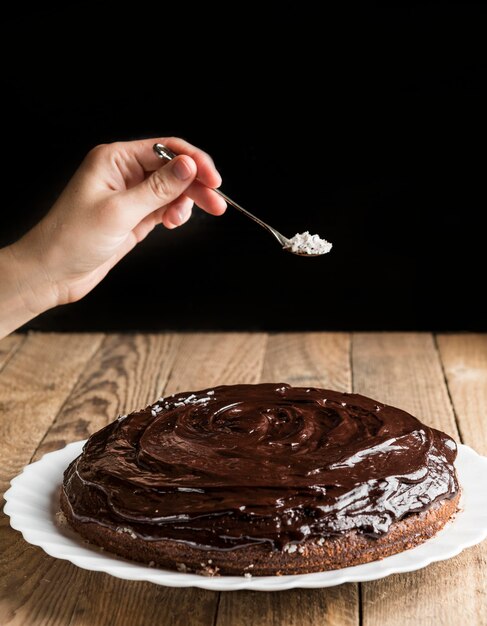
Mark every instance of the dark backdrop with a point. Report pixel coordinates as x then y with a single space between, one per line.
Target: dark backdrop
368 128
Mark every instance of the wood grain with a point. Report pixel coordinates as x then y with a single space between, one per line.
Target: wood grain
464 360
309 359
405 370
200 361
465 363
128 371
33 386
8 346
210 359
335 606
102 600
77 383
323 360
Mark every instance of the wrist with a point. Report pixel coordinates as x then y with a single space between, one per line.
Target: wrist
35 286
25 288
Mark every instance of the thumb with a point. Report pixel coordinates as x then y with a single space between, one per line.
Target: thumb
160 188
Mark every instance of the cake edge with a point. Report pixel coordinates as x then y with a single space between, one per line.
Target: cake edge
350 548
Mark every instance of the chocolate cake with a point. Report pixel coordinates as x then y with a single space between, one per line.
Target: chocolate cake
262 479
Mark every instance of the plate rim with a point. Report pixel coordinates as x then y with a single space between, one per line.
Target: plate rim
122 568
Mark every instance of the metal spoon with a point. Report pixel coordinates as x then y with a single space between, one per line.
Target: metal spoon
165 153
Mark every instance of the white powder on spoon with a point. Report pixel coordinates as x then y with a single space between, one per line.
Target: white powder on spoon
304 243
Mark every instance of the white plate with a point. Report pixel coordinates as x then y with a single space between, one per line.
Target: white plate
32 503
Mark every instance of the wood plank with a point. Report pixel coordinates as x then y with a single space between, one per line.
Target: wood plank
104 600
210 359
33 386
128 372
334 606
47 580
202 360
404 370
303 359
465 363
8 346
309 359
464 360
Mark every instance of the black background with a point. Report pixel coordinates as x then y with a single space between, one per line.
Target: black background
366 127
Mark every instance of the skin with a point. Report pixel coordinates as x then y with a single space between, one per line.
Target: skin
119 194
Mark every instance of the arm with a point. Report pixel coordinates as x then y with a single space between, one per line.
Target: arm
117 197
25 291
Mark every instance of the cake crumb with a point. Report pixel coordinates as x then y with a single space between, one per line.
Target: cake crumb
304 243
152 563
209 571
248 575
61 520
181 567
290 547
321 541
128 531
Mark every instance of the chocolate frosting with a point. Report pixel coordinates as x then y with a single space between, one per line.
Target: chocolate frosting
236 465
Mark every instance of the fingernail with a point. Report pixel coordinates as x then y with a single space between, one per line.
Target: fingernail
183 214
181 169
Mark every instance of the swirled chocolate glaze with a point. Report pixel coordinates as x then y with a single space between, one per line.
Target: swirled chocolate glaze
235 465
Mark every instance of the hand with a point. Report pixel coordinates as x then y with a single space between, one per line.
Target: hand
115 199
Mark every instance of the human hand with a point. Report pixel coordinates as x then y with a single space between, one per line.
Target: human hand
118 195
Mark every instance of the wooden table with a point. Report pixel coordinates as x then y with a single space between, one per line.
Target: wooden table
57 388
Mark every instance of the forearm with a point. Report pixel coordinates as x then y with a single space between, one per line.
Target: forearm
25 289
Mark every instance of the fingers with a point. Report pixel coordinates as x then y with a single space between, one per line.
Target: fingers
142 151
161 188
208 176
178 212
166 182
206 199
207 172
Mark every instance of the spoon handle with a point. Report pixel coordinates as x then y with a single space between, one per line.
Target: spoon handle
163 152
